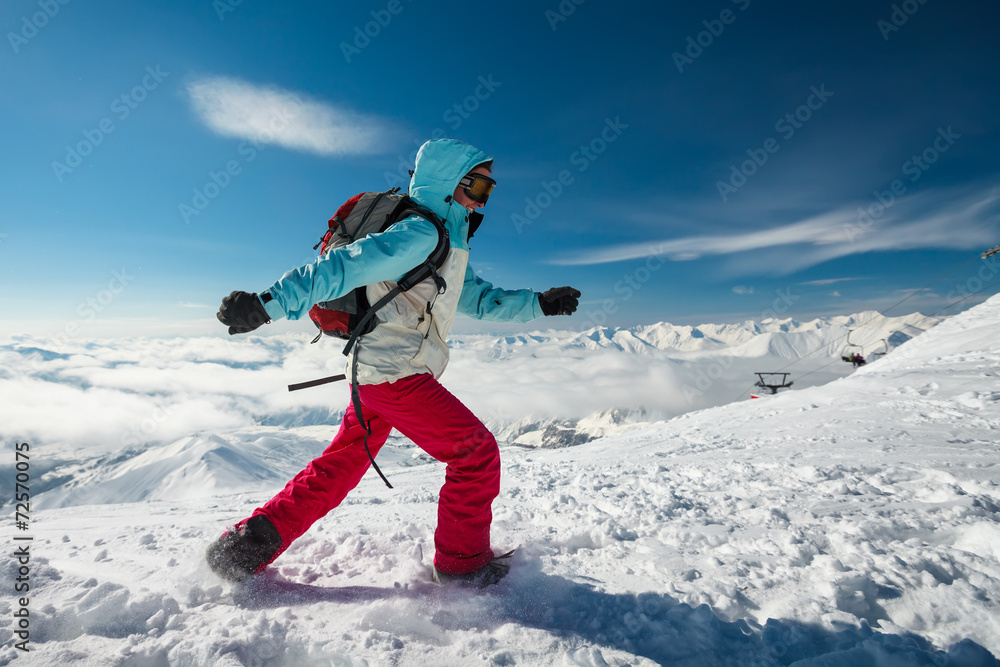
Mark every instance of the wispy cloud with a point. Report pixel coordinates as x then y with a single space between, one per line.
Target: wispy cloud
952 220
742 289
828 281
270 115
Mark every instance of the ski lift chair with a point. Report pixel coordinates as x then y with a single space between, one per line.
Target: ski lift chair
771 383
852 352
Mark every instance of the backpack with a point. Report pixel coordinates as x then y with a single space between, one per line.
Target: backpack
351 315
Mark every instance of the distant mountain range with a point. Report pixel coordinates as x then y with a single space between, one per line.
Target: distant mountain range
159 419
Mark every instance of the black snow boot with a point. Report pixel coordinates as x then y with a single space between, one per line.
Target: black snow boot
242 551
487 575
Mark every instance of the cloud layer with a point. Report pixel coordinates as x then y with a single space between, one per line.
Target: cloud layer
270 115
130 392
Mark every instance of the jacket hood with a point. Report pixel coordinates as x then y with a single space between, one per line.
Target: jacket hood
440 165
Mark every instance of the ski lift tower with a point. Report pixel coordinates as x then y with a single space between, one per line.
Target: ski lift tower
772 382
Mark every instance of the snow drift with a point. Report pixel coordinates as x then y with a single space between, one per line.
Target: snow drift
854 523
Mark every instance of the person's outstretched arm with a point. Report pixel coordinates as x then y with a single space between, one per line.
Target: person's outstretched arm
481 300
375 258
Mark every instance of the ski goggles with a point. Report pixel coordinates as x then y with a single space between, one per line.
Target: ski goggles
477 187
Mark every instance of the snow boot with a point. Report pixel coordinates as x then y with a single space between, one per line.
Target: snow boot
487 575
244 550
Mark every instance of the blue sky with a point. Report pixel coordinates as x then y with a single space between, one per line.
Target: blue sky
688 162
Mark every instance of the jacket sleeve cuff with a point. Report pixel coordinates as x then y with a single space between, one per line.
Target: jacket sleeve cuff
272 307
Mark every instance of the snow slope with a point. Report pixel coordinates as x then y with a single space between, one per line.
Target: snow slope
856 523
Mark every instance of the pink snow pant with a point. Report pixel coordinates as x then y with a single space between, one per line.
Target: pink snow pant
429 415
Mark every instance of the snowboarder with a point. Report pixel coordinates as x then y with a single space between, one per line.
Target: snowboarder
399 364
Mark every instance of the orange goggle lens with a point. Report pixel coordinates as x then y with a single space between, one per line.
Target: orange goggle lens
478 187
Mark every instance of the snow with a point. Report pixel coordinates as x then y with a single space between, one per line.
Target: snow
852 522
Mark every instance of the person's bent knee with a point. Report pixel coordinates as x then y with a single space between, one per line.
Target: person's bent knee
482 451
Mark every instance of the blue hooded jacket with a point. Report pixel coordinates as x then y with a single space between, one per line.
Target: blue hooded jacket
379 260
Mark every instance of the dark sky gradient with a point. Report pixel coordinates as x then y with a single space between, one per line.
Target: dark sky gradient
639 224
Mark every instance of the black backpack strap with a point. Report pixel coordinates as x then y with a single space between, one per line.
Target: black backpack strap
437 257
355 388
356 403
435 260
418 274
426 269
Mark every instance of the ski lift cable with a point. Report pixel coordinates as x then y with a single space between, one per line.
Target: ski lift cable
957 268
836 342
968 296
882 312
830 363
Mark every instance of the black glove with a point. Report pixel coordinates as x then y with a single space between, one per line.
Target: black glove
242 312
559 301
